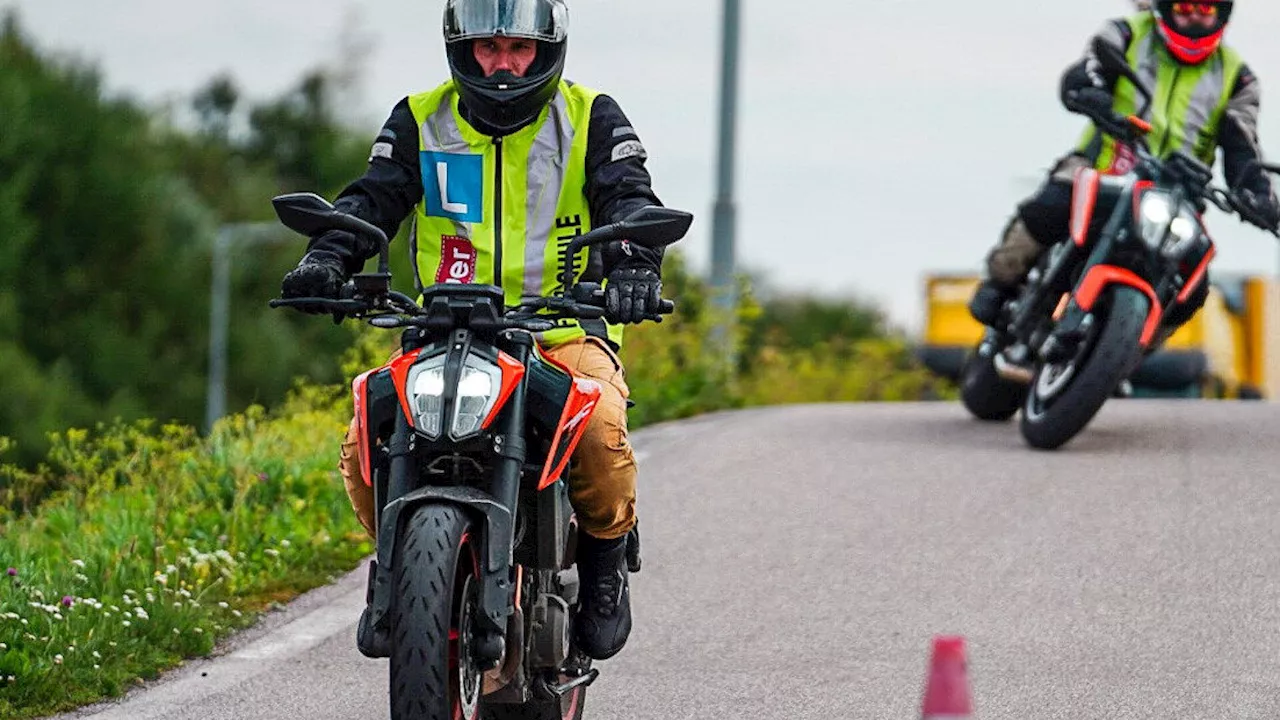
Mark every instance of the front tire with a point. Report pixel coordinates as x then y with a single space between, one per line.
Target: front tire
436 577
1064 397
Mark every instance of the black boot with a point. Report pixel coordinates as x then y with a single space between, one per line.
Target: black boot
988 302
604 600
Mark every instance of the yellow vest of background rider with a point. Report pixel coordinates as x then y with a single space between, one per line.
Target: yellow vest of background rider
1187 104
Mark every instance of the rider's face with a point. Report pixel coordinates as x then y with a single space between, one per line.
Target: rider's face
1189 16
514 55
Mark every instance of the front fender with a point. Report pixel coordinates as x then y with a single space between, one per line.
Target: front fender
495 591
1100 277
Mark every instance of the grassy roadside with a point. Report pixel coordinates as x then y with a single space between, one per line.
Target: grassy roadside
161 543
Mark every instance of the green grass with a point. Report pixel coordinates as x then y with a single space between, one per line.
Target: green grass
161 542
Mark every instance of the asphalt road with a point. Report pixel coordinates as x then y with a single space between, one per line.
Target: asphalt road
798 562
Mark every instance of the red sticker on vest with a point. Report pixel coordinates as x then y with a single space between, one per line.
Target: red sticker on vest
457 260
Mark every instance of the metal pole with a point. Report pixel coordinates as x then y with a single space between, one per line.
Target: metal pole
724 215
219 301
220 306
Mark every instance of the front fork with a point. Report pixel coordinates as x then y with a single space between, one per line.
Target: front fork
1056 341
405 491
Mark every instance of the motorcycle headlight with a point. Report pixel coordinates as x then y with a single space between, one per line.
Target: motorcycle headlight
425 388
478 389
1156 214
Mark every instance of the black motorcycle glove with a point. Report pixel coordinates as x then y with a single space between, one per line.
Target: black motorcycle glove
1259 209
319 275
1096 104
631 294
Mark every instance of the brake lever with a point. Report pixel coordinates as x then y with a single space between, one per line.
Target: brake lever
330 304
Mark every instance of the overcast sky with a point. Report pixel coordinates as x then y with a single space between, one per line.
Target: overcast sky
878 140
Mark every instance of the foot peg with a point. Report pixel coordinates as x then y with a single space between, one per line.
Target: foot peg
580 681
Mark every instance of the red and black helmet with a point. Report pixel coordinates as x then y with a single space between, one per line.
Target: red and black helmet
1192 30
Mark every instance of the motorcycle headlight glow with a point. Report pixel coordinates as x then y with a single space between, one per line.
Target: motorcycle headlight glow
1156 214
425 388
478 387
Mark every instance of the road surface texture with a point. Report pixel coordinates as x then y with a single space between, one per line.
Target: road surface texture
799 560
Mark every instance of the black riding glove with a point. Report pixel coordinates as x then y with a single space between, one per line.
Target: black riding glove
319 274
1259 209
1096 103
631 295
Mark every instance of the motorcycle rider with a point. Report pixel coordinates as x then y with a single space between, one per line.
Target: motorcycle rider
1205 97
502 166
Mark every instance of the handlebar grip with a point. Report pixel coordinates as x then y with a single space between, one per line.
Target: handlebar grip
666 307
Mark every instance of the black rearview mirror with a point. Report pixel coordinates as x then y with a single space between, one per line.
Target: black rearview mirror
655 227
1114 61
304 212
310 214
1110 56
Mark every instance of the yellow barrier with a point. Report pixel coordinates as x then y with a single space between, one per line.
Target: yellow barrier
1231 348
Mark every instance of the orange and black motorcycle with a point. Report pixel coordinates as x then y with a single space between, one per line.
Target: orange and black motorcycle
466 438
1095 304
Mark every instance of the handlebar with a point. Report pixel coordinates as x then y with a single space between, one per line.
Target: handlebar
396 309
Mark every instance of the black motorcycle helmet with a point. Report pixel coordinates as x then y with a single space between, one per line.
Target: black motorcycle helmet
503 102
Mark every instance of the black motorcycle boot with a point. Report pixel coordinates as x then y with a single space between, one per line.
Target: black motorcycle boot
604 600
988 301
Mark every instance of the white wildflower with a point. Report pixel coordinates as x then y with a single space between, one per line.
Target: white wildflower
57 659
78 563
127 623
223 605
